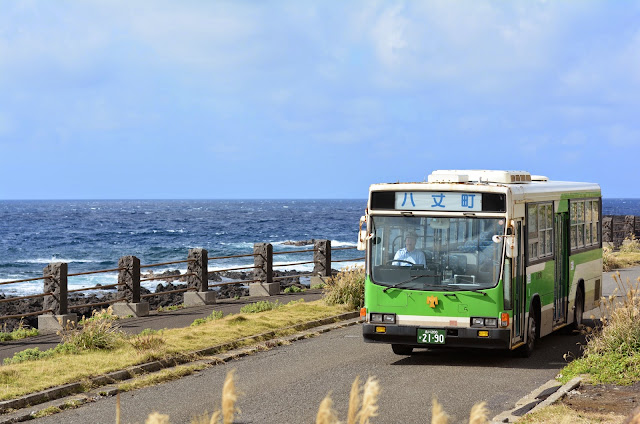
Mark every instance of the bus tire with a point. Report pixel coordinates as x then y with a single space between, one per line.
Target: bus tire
526 350
399 349
578 310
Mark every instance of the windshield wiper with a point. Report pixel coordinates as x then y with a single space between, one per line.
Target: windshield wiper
478 291
415 277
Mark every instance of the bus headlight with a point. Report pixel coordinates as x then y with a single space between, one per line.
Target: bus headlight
389 318
484 322
491 322
383 318
477 322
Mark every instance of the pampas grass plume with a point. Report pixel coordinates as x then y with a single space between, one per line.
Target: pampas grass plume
369 400
438 416
229 398
118 407
215 417
157 418
326 414
479 414
354 401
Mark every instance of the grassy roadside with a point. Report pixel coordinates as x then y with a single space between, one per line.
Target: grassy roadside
627 256
611 355
101 348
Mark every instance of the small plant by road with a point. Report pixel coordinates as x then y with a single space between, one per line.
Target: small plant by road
293 289
212 317
263 305
19 333
346 288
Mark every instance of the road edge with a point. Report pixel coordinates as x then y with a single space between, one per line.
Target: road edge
545 395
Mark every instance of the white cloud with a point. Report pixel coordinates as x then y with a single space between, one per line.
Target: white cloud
389 35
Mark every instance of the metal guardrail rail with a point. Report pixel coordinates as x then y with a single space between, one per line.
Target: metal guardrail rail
129 277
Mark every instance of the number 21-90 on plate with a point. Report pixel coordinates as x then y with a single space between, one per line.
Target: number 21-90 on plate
431 336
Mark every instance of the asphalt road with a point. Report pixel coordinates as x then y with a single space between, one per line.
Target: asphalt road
287 384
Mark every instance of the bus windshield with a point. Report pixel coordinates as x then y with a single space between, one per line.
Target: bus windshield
420 253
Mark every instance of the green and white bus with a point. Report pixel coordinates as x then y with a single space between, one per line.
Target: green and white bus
479 258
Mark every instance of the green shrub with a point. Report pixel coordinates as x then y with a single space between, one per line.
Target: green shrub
212 317
36 354
261 306
293 289
346 288
317 286
26 355
19 333
97 332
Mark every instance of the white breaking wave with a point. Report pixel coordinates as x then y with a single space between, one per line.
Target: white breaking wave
54 259
336 243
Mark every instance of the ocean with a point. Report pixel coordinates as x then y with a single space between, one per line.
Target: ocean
92 235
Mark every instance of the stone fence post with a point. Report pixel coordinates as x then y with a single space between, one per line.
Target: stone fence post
607 229
129 278
198 279
55 282
321 262
263 271
629 226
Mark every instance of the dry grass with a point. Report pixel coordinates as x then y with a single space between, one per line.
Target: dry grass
346 288
33 376
612 351
612 260
159 377
562 414
627 256
620 331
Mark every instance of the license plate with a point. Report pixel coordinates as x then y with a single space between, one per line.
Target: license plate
431 336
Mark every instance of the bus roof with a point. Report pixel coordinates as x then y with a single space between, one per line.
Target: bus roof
521 184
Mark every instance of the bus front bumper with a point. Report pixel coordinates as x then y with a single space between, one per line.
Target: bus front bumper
496 338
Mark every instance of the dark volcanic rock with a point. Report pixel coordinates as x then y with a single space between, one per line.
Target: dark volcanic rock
299 242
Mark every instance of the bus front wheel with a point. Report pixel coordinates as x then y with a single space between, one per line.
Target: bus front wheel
399 349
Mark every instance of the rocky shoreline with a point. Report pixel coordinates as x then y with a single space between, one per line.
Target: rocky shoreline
173 280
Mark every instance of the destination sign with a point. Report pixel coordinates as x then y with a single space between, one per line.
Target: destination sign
438 201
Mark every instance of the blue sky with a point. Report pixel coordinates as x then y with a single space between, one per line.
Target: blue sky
312 99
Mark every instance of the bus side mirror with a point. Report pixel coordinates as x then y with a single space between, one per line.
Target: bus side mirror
362 234
510 241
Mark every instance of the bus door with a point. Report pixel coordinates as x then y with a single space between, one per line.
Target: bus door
561 280
519 289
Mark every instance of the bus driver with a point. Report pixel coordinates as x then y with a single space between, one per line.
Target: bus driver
409 255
